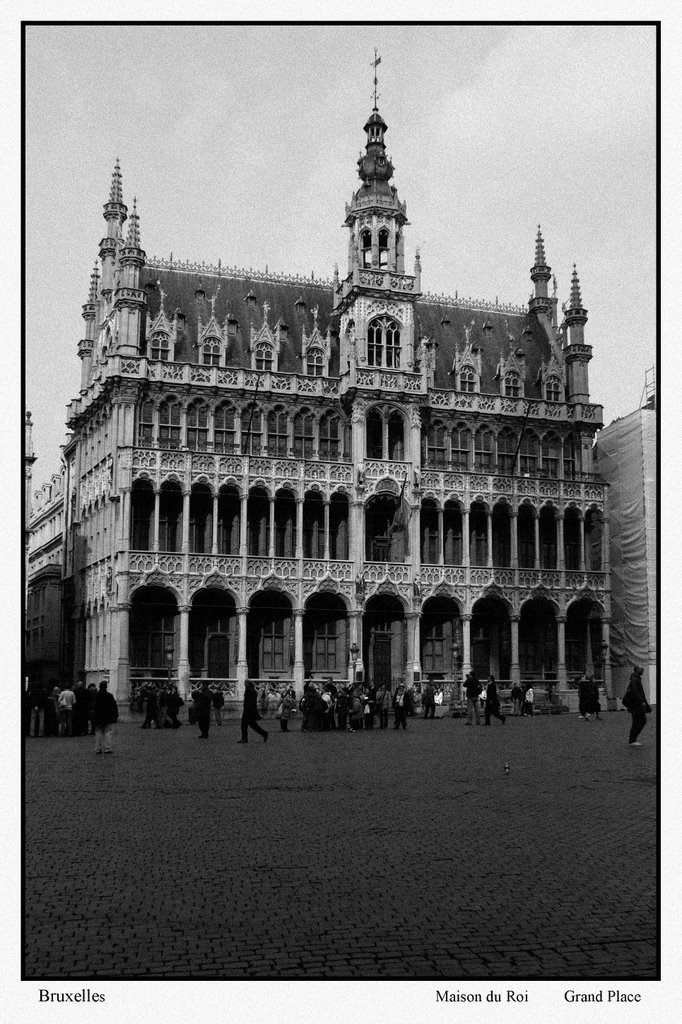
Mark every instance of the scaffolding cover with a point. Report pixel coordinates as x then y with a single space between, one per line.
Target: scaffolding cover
626 459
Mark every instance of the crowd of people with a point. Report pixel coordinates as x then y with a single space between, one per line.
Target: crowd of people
51 710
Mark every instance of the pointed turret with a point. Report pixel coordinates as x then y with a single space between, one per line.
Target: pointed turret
540 274
115 214
86 344
577 353
130 298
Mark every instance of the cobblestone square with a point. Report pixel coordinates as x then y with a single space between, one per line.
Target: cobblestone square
370 855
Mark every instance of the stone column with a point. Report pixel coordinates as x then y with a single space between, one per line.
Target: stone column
185 521
561 554
466 560
271 543
243 532
466 644
413 652
536 538
299 668
441 546
120 683
242 666
326 530
214 539
489 538
515 667
514 537
582 541
562 677
125 518
605 550
155 535
384 437
183 660
299 528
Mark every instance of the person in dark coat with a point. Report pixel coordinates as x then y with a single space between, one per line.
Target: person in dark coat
202 705
250 716
582 697
492 702
472 688
173 704
51 727
636 703
217 702
152 707
592 705
401 703
81 710
104 717
428 700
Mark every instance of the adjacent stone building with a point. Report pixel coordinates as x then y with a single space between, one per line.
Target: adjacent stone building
45 526
277 477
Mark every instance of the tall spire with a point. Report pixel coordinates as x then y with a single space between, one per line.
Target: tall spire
540 274
94 282
116 194
133 239
576 301
540 258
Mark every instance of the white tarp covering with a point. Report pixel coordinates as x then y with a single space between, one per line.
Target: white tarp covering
626 459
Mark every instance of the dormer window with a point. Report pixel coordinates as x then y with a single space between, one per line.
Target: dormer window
467 380
159 347
232 326
210 355
263 358
383 249
315 363
512 385
553 389
366 245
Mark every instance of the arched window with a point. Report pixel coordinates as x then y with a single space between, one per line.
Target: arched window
252 432
383 343
553 389
483 450
460 448
210 355
396 436
314 363
264 357
278 432
383 249
159 347
223 423
145 424
169 424
529 454
375 435
512 385
329 437
467 380
366 245
551 452
435 445
506 450
569 458
197 427
304 434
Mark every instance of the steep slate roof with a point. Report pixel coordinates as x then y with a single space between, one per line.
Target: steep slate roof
284 297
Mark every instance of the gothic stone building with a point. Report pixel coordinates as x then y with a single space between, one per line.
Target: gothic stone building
278 477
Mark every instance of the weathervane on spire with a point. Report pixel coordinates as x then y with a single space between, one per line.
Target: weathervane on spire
375 62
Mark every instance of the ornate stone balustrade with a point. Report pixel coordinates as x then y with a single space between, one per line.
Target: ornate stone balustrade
319 569
462 401
394 572
467 486
388 380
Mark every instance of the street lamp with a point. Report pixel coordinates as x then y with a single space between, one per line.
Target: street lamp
354 651
455 665
604 654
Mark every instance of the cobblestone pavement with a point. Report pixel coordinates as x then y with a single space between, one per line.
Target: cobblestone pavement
370 855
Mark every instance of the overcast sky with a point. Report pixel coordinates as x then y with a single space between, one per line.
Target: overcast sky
240 143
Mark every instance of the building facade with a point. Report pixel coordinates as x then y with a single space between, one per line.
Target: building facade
625 455
278 477
45 519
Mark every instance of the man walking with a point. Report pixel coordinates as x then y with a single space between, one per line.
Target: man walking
492 702
636 703
250 716
104 716
472 688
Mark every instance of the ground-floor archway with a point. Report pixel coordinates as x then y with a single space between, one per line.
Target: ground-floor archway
584 638
153 632
384 641
440 627
538 655
325 636
491 639
269 636
213 636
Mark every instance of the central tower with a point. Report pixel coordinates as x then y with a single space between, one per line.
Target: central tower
376 298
